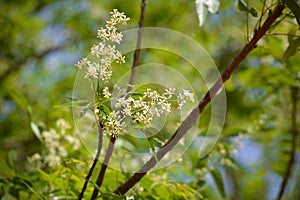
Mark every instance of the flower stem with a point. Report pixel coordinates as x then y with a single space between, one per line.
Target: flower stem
100 141
135 63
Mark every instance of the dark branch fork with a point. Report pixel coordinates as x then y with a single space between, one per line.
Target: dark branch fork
191 119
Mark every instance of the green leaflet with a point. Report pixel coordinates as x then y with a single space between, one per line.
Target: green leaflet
292 49
219 181
293 5
76 103
242 6
35 129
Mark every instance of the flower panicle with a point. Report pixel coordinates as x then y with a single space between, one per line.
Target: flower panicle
141 110
102 55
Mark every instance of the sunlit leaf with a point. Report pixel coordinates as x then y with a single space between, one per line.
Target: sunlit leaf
35 129
104 109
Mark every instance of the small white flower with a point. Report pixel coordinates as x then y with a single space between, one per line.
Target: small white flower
82 63
96 111
189 95
130 198
106 92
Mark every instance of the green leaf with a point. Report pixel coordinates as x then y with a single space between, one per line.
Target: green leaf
232 131
292 49
20 100
45 175
292 4
31 189
151 141
242 6
111 196
219 181
35 129
78 103
84 110
104 109
253 12
5 170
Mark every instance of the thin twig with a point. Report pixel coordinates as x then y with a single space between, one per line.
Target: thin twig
136 59
99 148
104 167
192 117
137 52
247 27
287 175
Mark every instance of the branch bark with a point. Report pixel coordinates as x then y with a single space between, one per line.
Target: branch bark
137 52
294 98
104 167
192 117
136 59
99 148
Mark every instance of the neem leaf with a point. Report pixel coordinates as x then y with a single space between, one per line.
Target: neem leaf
242 6
35 129
253 12
78 103
104 109
151 144
19 99
292 49
292 4
84 110
219 181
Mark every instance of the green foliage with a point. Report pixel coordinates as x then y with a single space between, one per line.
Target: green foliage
242 6
40 42
294 6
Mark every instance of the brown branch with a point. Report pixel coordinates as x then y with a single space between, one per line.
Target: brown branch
137 52
192 117
99 148
294 98
104 167
135 63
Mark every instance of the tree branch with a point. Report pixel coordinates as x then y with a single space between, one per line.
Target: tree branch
294 98
99 148
137 52
135 63
192 117
104 167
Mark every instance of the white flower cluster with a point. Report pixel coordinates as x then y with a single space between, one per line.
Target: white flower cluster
103 54
55 143
203 173
141 110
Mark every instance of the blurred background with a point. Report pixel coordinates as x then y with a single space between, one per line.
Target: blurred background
40 41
